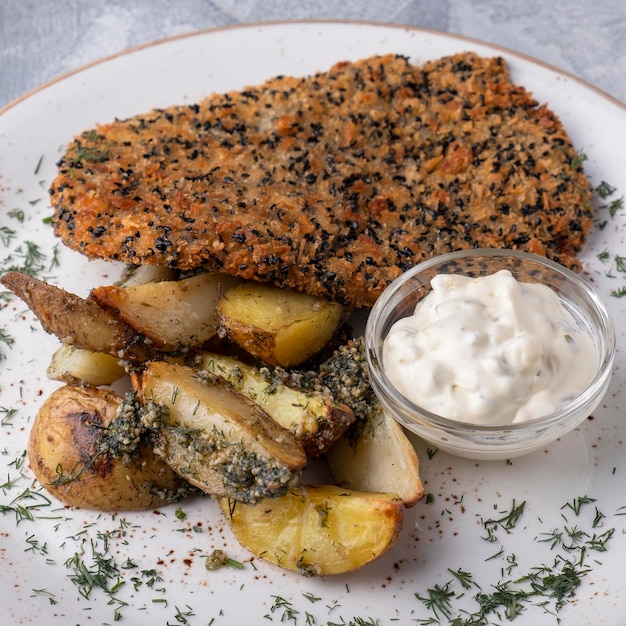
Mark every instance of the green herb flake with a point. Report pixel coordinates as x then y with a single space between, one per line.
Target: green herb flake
614 206
578 159
604 190
431 452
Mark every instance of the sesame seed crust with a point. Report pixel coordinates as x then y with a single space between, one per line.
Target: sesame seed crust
334 183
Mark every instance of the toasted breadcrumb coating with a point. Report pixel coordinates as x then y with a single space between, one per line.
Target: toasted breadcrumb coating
334 183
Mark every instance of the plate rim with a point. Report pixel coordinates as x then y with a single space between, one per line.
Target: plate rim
295 23
312 23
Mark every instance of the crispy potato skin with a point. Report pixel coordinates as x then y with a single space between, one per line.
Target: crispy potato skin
78 321
278 326
63 450
174 314
314 419
217 438
318 530
381 459
70 364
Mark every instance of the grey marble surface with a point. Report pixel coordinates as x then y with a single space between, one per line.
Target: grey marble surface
40 40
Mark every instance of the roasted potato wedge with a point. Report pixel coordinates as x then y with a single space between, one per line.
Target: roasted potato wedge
77 321
174 314
216 438
75 365
278 326
66 454
380 458
318 530
314 419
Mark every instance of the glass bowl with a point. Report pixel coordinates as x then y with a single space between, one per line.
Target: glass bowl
477 441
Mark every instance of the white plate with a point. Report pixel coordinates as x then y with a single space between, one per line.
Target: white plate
447 533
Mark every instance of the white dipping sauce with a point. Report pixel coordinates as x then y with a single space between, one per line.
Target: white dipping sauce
489 350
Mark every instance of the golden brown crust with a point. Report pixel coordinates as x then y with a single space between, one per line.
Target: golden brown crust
334 183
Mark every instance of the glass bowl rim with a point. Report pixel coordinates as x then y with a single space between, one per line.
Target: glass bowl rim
382 385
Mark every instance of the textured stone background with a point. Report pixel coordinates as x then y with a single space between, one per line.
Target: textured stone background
40 40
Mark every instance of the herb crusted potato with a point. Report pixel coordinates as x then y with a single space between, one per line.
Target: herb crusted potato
80 452
315 419
200 419
216 438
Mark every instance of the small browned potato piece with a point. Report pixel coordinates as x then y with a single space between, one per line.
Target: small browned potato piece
381 458
312 417
174 314
279 326
219 440
65 454
77 321
318 530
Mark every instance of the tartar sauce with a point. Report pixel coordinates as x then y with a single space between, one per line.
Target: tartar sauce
489 350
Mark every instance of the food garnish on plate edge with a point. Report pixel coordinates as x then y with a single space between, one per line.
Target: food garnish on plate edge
266 215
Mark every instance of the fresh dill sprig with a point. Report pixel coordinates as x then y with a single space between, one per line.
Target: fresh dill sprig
577 504
7 235
6 415
620 263
17 214
27 258
604 190
5 338
578 159
438 599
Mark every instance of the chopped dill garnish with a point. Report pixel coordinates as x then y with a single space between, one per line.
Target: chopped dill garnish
431 452
17 214
577 504
438 599
6 338
6 415
578 159
604 190
6 235
27 258
508 519
549 586
614 206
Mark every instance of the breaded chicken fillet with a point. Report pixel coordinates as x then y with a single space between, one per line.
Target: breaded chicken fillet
333 183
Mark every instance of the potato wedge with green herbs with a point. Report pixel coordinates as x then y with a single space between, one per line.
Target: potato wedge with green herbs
380 458
75 365
318 530
313 418
216 438
78 321
174 314
67 455
279 326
